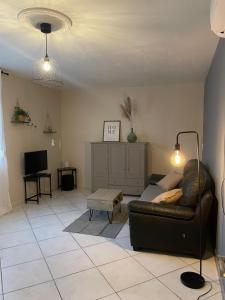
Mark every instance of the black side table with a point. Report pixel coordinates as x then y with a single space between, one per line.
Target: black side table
37 179
70 170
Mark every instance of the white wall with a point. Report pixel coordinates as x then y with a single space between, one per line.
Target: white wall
37 101
160 112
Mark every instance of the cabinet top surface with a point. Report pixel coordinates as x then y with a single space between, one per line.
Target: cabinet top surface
106 143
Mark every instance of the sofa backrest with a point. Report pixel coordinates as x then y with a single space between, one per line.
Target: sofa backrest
190 184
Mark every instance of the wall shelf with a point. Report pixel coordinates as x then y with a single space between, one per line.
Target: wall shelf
21 122
49 131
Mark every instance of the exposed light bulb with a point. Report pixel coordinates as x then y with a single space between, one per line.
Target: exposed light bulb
52 142
177 159
46 64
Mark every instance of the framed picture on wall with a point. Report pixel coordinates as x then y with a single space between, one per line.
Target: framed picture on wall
111 131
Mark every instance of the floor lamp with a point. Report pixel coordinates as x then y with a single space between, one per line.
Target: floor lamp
191 279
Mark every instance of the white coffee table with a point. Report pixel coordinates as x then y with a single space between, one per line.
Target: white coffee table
105 200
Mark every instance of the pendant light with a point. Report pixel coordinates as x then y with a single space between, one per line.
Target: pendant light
46 29
46 71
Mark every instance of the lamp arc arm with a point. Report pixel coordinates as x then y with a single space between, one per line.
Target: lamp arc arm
188 132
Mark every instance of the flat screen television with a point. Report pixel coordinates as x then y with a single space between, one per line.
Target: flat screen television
35 161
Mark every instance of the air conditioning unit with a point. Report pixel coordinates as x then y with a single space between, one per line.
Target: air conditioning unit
217 17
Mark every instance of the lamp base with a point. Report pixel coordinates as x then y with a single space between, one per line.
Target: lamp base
192 280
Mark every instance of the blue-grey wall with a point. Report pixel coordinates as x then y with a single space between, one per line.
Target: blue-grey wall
214 131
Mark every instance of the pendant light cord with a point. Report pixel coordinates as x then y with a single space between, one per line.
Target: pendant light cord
46 45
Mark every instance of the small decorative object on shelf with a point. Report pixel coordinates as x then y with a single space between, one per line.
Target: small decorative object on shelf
132 138
127 110
48 125
20 116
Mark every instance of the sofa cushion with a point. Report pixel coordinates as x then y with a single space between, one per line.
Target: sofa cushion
171 196
190 184
150 192
170 181
154 178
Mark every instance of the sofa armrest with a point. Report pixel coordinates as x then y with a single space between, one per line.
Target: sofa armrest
163 210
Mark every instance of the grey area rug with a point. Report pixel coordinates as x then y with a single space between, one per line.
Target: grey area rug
99 224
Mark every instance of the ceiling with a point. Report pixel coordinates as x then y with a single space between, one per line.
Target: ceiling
114 43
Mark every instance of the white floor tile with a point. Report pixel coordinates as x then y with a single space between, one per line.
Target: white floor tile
24 275
208 268
152 289
1 297
124 232
111 297
85 240
63 208
16 238
13 222
159 264
58 245
59 201
44 221
35 210
69 217
47 232
105 253
125 244
68 263
42 291
20 254
189 260
217 296
86 285
172 281
124 273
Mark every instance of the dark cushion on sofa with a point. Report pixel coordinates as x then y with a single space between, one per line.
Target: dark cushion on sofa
190 183
154 178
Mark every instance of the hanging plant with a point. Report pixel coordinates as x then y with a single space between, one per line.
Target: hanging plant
20 115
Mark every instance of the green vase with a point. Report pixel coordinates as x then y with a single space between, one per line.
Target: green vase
132 138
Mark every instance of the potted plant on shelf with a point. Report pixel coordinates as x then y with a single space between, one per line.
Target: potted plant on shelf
20 115
127 110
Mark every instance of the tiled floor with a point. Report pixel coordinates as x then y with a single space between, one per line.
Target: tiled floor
39 261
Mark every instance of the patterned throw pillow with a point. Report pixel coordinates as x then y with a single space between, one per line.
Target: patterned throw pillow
171 196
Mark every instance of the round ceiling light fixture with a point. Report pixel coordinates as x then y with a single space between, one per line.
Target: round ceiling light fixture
35 16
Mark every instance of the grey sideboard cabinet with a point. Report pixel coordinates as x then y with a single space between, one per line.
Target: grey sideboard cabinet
119 165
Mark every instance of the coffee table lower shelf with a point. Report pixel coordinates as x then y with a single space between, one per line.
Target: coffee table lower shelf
110 218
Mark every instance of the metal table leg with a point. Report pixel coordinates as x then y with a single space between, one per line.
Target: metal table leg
91 214
110 218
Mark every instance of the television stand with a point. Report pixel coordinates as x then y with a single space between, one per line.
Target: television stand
36 178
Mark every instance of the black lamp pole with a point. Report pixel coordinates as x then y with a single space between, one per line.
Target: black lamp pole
192 279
